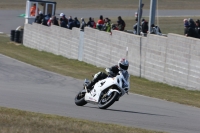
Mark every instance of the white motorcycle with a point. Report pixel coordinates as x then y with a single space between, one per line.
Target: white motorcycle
105 92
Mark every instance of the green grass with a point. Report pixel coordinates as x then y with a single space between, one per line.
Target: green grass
83 70
108 4
16 121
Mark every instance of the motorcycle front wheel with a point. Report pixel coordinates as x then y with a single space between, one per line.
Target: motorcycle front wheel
79 99
107 101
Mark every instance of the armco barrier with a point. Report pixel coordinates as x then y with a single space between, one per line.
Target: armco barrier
174 60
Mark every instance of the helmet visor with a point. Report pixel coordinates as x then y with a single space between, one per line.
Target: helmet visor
123 67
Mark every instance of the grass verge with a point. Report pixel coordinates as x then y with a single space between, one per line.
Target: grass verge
108 4
83 70
16 121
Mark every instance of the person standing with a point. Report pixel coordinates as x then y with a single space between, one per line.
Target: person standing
145 26
83 24
33 10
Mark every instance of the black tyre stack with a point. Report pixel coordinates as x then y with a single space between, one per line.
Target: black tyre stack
17 36
21 36
12 35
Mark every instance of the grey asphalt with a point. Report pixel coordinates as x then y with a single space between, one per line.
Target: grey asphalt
26 87
10 21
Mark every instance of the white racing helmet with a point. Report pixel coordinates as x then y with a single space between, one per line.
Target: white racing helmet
123 64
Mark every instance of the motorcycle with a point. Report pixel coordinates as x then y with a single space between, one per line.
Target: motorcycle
105 92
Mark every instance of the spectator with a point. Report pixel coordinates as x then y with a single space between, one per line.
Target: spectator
107 26
121 24
63 23
155 30
49 22
191 23
54 21
76 22
197 28
46 19
39 18
33 10
114 27
94 26
70 23
135 27
145 26
189 32
100 23
62 15
90 23
83 24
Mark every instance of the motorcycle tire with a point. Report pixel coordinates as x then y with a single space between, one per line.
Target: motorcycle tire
80 99
113 98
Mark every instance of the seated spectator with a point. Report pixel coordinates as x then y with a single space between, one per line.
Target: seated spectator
49 22
90 23
191 23
62 15
63 23
114 27
46 19
188 31
155 30
100 23
197 28
76 22
83 24
94 26
144 27
54 21
107 26
70 23
39 18
121 24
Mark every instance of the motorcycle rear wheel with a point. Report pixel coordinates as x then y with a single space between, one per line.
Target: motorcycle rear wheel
105 103
79 99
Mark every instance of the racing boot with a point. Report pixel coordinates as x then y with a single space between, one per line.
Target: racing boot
93 82
90 85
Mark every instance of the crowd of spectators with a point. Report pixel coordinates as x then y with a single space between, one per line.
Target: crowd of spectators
144 28
191 28
103 24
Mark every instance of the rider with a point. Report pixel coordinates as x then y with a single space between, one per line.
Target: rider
123 64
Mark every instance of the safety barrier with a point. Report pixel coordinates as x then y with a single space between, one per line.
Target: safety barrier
174 60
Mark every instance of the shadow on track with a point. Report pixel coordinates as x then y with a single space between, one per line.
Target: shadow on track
127 111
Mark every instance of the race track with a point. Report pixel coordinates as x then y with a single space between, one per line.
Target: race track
26 87
10 21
